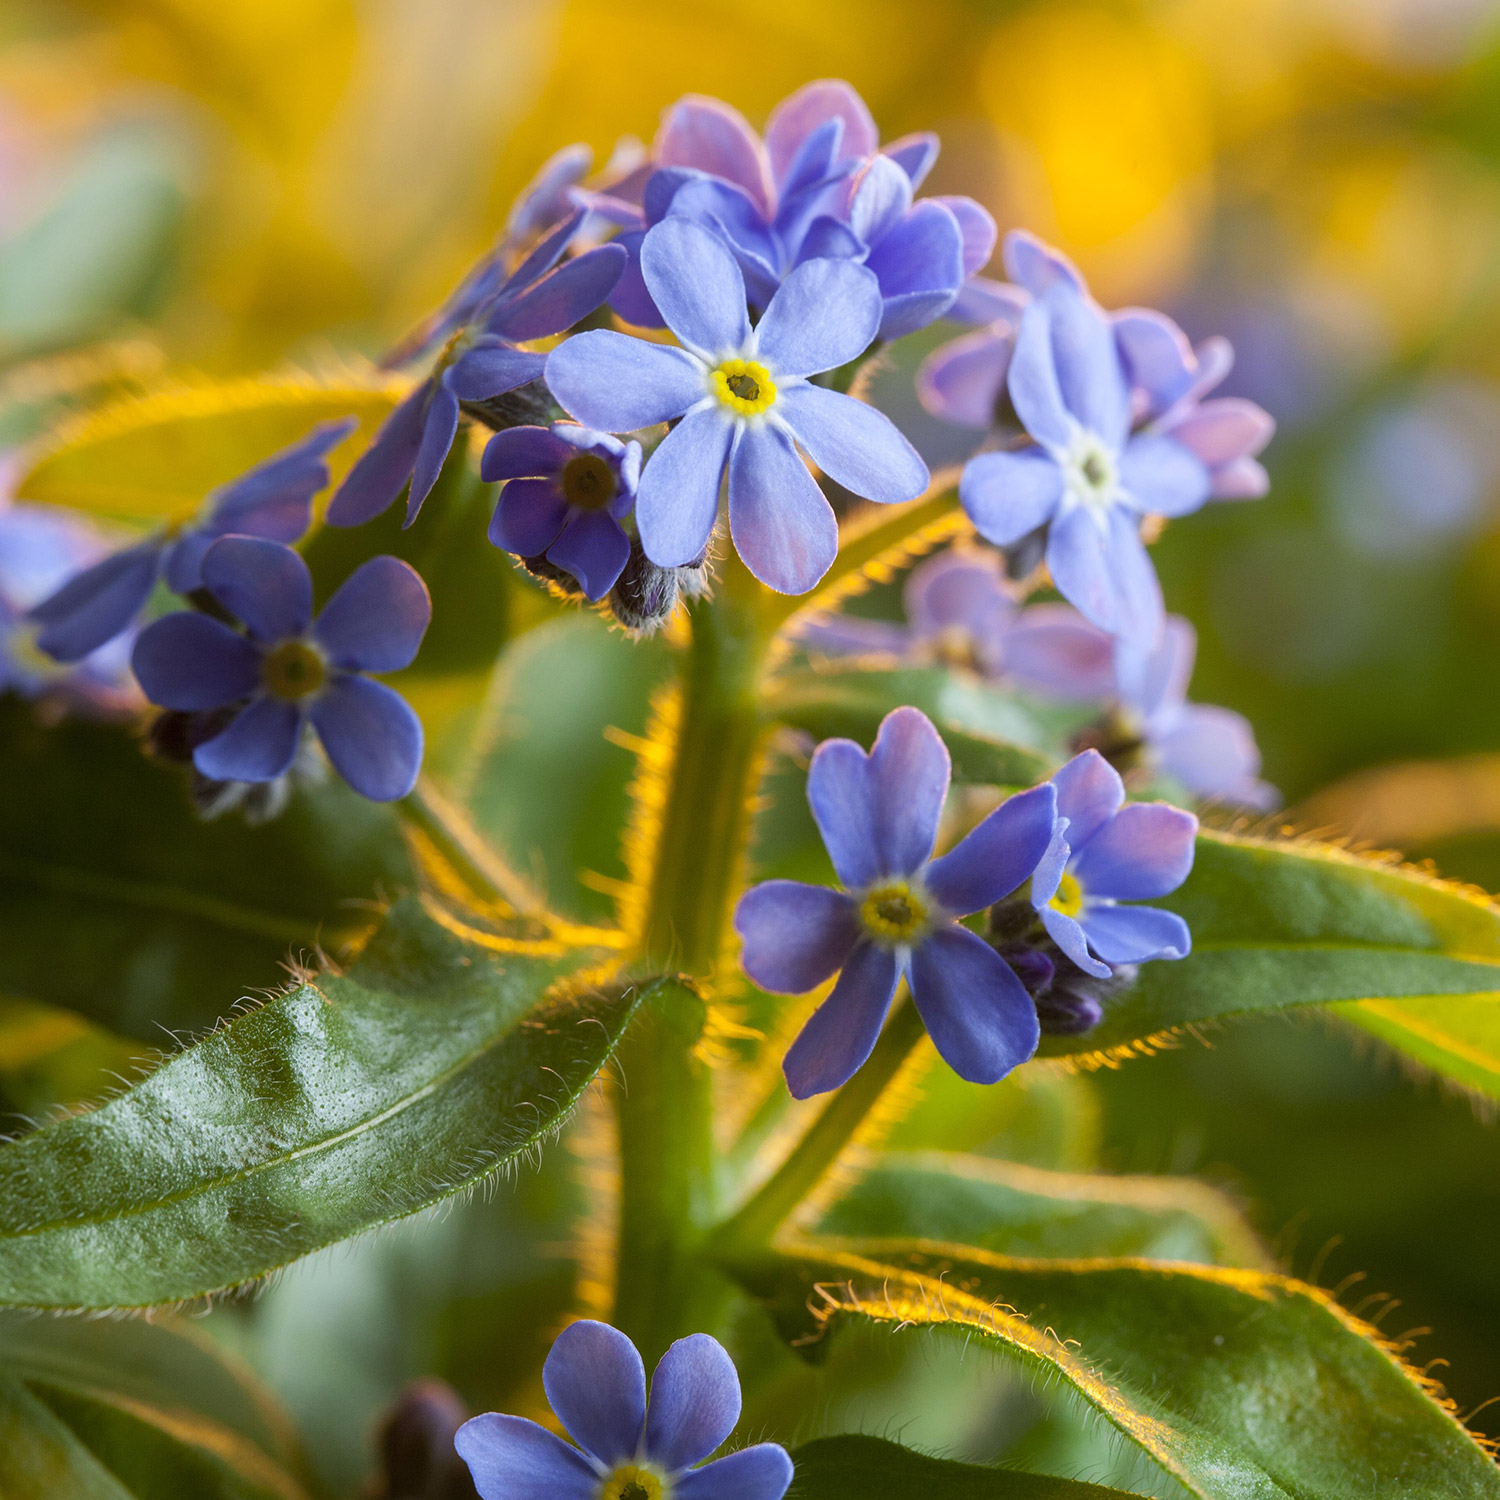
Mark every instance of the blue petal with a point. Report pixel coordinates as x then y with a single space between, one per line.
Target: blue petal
1048 874
977 226
529 516
1099 564
905 312
377 617
1089 793
96 605
593 549
853 443
695 1402
978 1014
920 268
697 287
189 661
823 315
981 300
1089 373
523 453
371 735
962 382
833 1045
1157 356
908 772
596 1383
541 258
851 635
1136 934
783 526
828 238
182 561
544 200
1144 851
992 860
513 1459
490 367
795 936
843 807
617 383
262 583
1037 266
1162 476
1069 936
1007 495
882 195
808 169
1051 649
562 298
1032 381
381 470
438 432
1154 682
1141 613
630 299
260 743
763 1472
678 498
915 154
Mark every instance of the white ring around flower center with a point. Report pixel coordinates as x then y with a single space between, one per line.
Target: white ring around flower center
1091 472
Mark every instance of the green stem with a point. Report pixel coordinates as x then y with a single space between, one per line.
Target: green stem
758 1219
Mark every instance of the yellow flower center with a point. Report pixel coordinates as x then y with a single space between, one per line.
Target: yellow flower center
635 1482
293 669
588 482
893 913
744 386
1069 897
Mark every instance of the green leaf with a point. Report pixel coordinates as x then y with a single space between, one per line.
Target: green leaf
117 902
1278 923
1237 1383
1459 1039
348 1102
1024 1211
51 1057
41 1459
854 1467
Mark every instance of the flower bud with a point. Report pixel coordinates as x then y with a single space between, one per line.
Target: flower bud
529 405
415 1443
645 594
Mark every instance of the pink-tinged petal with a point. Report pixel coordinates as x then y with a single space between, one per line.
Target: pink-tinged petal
678 497
713 137
1155 681
1240 479
795 936
1223 430
840 1035
960 590
916 154
695 1402
263 583
1037 266
1008 495
1144 851
978 227
376 618
513 1459
801 113
1159 361
963 381
1089 792
596 1383
854 444
259 744
1136 934
1212 752
1051 649
993 859
978 1014
782 524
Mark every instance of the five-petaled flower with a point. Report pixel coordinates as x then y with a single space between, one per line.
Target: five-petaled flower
290 669
628 1449
566 489
745 402
898 912
1106 853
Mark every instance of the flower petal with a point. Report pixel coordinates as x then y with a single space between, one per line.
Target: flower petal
1154 681
908 772
713 137
381 470
843 807
263 583
1008 495
823 315
618 383
1212 752
1224 430
96 605
695 1402
524 453
371 735
697 287
962 381
678 497
1240 479
961 590
1163 476
1135 934
801 113
978 1014
920 267
1032 380
189 661
594 549
763 1472
438 432
1051 649
978 227
1158 358
795 936
1089 793
880 195
529 516
854 443
840 1035
1069 936
915 154
1089 373
260 743
596 1383
1138 590
1144 851
981 300
376 618
1037 266
490 368
562 297
992 860
782 524
630 299
513 1459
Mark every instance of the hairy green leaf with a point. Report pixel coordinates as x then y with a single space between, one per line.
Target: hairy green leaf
349 1102
1025 1211
854 1467
51 1057
1458 1038
1241 1384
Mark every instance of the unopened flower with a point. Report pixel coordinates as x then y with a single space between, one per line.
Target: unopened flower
745 403
898 914
628 1449
290 670
566 489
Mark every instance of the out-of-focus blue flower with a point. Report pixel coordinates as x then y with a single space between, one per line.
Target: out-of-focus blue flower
566 489
745 403
1105 853
628 1449
274 500
898 912
290 669
483 323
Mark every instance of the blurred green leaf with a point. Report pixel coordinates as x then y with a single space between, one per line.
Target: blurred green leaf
1025 1211
51 1057
118 902
1237 1383
1459 1039
855 1467
349 1102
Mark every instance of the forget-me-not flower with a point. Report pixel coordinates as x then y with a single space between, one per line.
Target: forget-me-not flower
628 1448
1104 854
289 669
273 500
745 403
566 489
484 321
898 914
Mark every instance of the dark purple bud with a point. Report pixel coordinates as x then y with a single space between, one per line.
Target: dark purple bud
645 594
1066 1011
548 571
529 405
175 734
1011 920
1032 967
415 1444
1023 558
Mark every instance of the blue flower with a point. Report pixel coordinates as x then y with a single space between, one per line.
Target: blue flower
290 670
566 489
627 1449
483 322
274 499
745 403
898 912
1105 853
